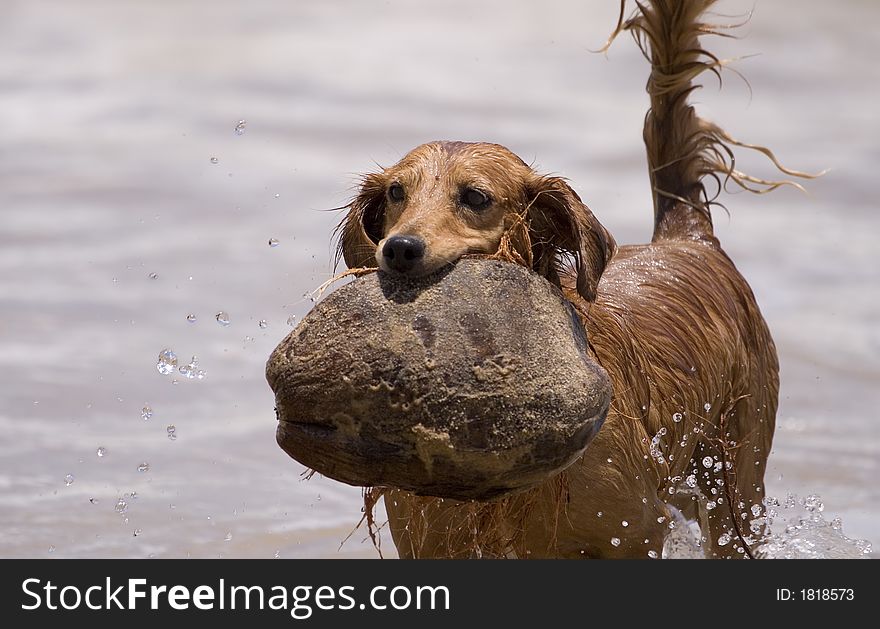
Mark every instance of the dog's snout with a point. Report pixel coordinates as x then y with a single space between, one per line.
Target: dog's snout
403 253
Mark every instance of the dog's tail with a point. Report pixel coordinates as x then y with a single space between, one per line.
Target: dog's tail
685 150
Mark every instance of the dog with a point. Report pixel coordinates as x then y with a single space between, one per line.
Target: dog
691 360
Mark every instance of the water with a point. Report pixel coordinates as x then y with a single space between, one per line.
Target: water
192 370
797 531
113 110
166 364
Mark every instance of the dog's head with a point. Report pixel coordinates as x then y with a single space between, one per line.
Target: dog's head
447 199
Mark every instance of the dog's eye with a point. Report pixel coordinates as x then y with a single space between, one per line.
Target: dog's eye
395 192
475 199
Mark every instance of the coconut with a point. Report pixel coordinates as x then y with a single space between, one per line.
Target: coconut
471 383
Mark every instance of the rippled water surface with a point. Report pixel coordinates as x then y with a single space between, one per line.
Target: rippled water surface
165 172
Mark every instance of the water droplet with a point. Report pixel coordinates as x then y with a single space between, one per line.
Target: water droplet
171 430
677 417
143 467
101 451
691 480
615 541
756 510
661 519
192 370
68 480
167 362
291 320
624 523
94 501
277 195
598 514
239 127
710 505
263 324
228 537
154 276
137 532
724 540
277 555
707 407
146 411
51 548
121 506
222 318
191 318
652 554
274 242
655 446
707 462
214 160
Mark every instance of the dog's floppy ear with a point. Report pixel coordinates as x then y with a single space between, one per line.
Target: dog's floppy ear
361 229
561 224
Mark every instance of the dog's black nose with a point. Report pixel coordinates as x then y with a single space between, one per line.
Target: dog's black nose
402 253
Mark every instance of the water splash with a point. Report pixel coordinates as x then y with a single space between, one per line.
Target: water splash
799 531
684 540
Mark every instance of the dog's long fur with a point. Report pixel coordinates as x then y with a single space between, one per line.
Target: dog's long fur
692 363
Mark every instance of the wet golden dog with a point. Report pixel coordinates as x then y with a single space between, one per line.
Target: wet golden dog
692 364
